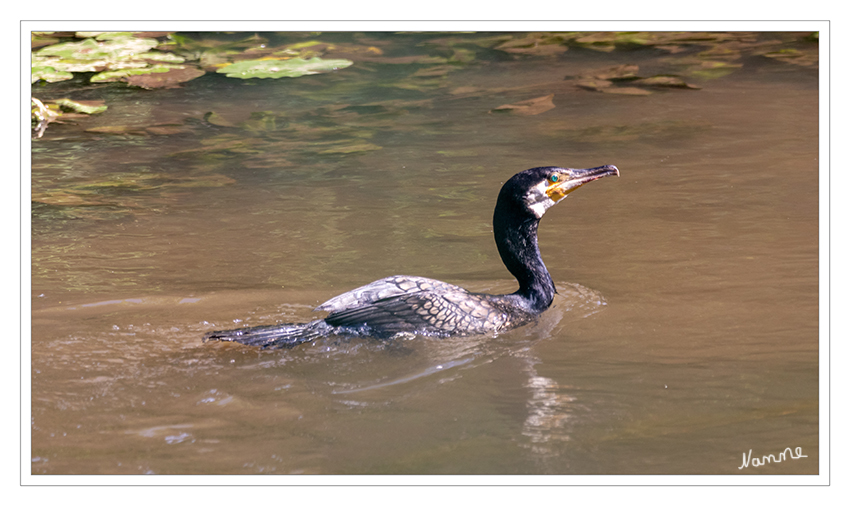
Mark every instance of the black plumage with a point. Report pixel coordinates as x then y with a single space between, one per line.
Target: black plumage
416 305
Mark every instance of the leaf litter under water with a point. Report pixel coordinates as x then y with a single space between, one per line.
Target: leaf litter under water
108 196
611 80
529 107
63 110
277 140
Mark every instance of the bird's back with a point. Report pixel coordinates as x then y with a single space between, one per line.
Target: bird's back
415 304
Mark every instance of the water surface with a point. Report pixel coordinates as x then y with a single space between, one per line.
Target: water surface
686 331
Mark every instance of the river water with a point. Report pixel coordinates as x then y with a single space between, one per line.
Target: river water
685 335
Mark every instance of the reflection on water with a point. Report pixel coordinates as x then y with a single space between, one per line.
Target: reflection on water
425 373
687 318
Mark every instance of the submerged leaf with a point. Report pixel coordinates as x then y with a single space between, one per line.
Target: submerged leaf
117 130
117 193
64 198
593 84
189 44
436 71
206 181
626 90
619 73
665 82
350 148
404 60
82 106
264 121
707 69
216 119
536 44
465 90
171 78
274 69
165 129
657 132
37 40
604 80
528 107
794 56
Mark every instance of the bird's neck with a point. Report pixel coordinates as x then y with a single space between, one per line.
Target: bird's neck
515 230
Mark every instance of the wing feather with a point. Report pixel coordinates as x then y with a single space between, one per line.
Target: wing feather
438 313
385 288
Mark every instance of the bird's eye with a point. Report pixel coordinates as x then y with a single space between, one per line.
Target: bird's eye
553 178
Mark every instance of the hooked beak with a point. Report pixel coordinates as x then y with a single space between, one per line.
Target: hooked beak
577 177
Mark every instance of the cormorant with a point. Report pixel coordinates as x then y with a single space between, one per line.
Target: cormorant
411 304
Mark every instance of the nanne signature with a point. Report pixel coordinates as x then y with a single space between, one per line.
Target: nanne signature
796 454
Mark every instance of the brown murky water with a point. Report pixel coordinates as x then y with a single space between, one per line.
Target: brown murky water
686 334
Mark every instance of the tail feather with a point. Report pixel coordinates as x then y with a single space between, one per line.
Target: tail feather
272 336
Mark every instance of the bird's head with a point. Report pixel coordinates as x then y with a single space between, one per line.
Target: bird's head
540 188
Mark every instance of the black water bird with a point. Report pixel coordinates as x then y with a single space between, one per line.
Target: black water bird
416 305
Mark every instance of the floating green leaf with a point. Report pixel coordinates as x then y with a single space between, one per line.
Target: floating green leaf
61 65
161 57
50 74
110 35
118 75
90 49
274 69
110 51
